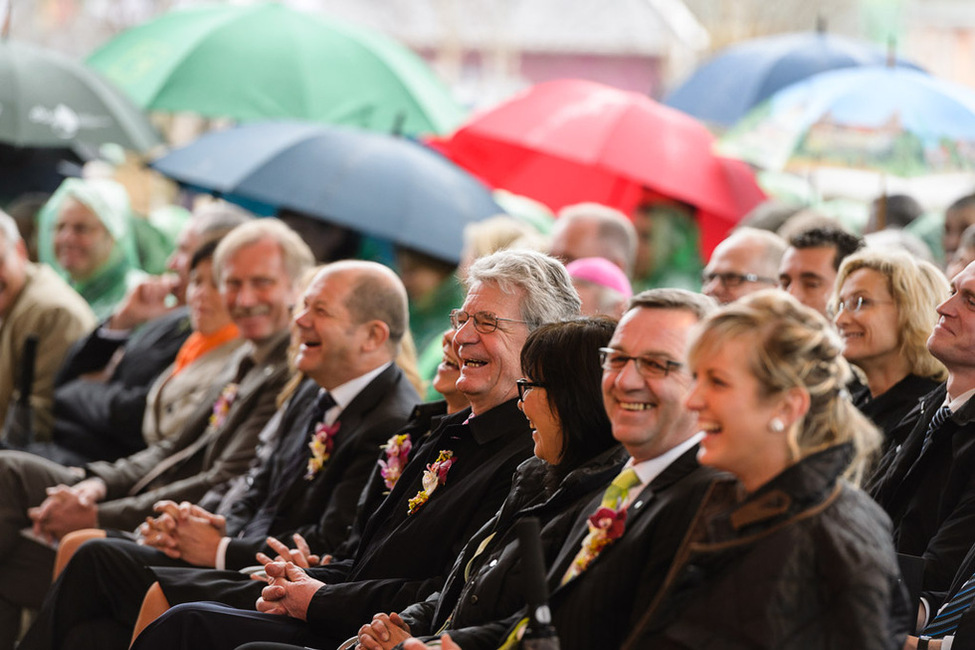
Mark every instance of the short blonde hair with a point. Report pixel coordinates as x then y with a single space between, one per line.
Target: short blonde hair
795 347
917 288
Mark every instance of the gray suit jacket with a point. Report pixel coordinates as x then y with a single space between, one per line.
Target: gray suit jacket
227 451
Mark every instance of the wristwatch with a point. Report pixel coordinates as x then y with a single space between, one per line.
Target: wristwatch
922 642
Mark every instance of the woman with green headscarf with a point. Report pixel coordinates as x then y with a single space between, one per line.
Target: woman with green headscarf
85 234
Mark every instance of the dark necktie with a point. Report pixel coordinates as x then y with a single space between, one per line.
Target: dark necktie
260 524
946 622
940 417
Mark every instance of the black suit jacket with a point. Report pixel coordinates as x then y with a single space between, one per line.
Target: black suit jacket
599 607
322 509
404 557
930 497
103 420
965 634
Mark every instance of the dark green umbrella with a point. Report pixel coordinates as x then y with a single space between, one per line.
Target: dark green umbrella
49 100
265 60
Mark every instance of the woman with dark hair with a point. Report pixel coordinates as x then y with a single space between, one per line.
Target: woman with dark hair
575 457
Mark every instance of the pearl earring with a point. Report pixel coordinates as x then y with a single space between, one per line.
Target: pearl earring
776 425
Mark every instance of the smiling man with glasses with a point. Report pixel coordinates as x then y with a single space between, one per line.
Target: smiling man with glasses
745 262
411 541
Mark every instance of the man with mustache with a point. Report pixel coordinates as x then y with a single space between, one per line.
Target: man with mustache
452 485
259 264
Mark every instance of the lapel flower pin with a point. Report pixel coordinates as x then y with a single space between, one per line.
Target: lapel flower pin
397 450
321 445
434 476
222 406
605 527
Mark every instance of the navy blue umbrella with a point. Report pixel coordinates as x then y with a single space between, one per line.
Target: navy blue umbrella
380 185
740 77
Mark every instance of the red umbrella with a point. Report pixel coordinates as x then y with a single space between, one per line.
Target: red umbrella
563 142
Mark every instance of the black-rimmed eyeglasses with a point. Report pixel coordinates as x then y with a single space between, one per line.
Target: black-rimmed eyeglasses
525 385
615 360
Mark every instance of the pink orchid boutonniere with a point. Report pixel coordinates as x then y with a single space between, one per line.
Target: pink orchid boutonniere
321 445
397 450
605 527
434 476
222 406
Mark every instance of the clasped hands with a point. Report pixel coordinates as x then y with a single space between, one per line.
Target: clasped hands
184 531
67 509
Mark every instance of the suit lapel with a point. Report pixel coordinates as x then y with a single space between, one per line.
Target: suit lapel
685 464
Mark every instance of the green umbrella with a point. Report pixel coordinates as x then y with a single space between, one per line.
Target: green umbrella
48 100
265 60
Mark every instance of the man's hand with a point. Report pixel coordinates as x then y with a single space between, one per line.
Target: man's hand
185 531
301 555
289 591
445 644
385 632
911 644
146 301
67 509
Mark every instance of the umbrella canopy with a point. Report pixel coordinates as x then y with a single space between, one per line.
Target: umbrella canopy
568 141
265 60
377 184
891 120
740 77
48 100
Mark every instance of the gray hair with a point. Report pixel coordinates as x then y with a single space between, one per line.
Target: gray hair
219 218
696 303
615 231
773 246
548 294
296 255
9 232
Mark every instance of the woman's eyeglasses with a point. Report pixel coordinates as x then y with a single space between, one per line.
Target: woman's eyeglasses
858 304
524 385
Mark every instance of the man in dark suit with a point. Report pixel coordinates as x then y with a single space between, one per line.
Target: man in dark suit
350 328
259 265
101 387
598 595
450 487
927 487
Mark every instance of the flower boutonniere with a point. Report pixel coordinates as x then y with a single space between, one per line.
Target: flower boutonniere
397 450
605 527
321 445
222 406
434 476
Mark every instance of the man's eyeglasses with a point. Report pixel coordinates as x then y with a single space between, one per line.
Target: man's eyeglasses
484 321
733 280
615 360
524 385
858 304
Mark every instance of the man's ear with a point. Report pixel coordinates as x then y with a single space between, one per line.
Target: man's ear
377 334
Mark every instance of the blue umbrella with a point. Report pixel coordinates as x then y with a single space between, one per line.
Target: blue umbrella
740 77
380 185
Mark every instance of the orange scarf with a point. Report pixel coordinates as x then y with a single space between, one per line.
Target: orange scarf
197 345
